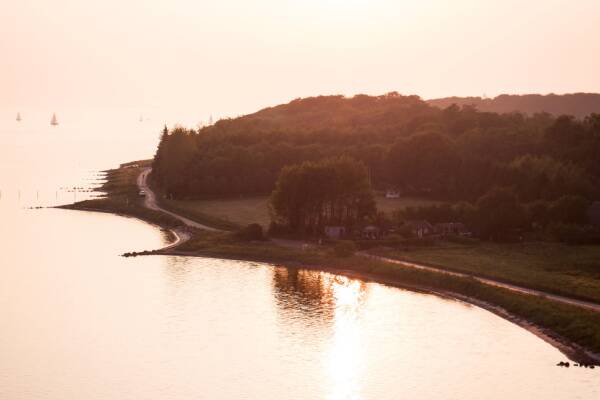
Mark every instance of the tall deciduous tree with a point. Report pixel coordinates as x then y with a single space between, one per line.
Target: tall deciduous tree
310 195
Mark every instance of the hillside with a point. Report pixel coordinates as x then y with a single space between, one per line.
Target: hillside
579 105
406 144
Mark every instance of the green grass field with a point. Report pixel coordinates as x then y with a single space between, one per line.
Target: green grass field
237 212
554 267
225 213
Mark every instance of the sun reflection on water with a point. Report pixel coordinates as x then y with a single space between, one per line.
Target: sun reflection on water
344 360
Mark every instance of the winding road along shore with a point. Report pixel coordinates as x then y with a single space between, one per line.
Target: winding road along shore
150 202
182 236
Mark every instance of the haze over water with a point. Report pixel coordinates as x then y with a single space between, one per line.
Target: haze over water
80 322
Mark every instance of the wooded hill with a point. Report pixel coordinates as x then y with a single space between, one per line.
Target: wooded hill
579 105
406 144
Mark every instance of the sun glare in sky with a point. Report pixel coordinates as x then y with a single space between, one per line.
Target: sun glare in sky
236 56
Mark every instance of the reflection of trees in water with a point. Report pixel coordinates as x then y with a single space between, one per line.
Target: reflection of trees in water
177 270
325 311
316 295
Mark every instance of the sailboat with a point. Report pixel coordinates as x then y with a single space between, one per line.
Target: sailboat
54 121
18 117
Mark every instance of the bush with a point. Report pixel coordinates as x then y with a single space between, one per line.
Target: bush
499 213
419 242
574 234
251 232
344 248
569 210
466 240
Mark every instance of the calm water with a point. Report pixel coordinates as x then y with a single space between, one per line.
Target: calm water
79 322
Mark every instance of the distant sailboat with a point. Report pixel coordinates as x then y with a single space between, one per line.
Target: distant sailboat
54 121
18 117
141 118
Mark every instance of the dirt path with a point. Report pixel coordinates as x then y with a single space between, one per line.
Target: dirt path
150 202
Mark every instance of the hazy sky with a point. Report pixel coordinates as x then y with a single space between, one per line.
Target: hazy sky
229 57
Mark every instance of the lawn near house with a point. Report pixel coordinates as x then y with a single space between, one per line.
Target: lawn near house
553 267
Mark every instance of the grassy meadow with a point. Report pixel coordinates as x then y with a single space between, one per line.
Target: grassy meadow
233 213
229 213
554 267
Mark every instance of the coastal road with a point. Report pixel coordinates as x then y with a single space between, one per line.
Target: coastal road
182 236
150 202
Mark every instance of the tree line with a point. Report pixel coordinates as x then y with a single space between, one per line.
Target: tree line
456 153
577 104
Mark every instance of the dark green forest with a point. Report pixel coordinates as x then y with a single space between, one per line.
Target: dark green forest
455 153
577 104
310 195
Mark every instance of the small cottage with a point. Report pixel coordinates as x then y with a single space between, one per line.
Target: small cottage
335 232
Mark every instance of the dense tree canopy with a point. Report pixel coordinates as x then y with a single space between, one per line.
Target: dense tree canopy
456 153
310 195
577 104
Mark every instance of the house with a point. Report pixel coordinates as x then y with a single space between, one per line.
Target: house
392 194
593 213
335 232
371 232
419 228
451 228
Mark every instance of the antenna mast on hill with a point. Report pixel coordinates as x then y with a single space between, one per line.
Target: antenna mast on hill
210 120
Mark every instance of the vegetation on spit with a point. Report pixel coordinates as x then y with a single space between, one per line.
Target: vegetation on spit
121 196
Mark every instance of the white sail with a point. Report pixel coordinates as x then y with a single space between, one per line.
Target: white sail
54 121
19 117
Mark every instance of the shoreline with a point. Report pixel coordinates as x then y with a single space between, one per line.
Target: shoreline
570 349
171 233
179 234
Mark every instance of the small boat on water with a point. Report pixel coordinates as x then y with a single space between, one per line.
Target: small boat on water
19 117
53 121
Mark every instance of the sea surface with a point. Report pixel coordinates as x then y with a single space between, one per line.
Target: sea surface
77 321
